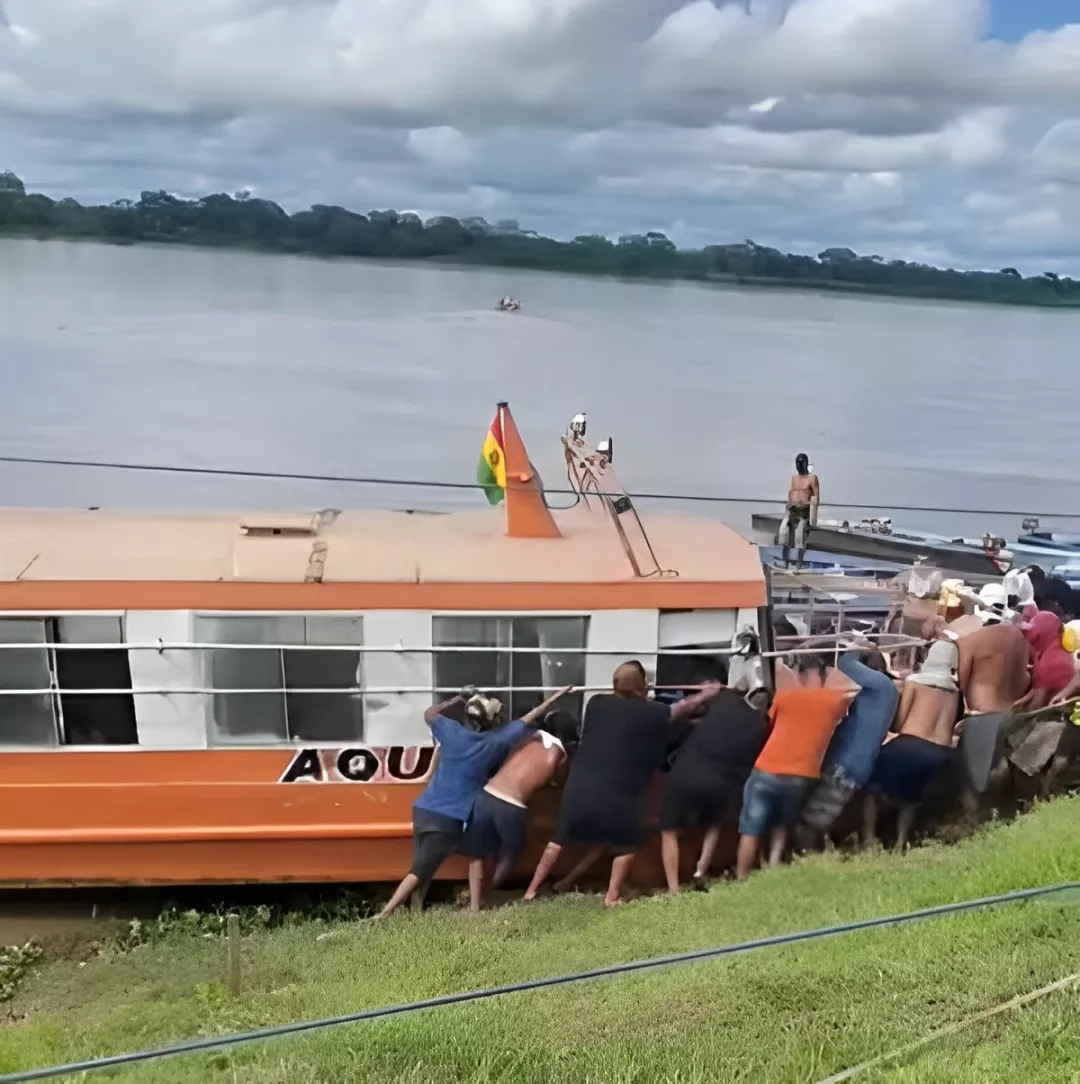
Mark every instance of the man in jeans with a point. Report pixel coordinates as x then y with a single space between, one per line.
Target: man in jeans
855 745
466 761
803 720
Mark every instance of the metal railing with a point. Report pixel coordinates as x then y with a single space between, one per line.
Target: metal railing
822 644
434 649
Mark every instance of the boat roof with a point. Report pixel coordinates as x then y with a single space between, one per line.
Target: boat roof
368 546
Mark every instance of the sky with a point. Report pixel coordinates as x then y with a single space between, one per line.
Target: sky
943 131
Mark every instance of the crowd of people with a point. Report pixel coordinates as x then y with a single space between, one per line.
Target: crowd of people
784 766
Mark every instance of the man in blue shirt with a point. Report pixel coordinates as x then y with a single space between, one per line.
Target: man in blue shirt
855 744
467 759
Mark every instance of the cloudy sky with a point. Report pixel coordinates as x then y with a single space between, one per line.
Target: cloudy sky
939 130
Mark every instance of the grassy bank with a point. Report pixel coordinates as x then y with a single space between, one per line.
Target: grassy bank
784 1014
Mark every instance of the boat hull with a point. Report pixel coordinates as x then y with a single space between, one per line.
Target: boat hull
205 817
895 549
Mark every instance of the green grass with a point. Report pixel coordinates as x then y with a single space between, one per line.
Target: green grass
795 1013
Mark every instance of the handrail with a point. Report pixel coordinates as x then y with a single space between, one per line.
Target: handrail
351 690
424 649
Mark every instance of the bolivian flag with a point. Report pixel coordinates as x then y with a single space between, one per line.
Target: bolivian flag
491 470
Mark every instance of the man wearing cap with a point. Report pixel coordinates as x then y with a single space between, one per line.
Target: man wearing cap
468 756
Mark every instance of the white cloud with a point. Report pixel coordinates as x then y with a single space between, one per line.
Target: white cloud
779 118
1057 156
442 145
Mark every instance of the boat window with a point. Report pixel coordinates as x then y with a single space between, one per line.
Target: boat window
262 696
675 670
29 717
511 653
87 717
58 706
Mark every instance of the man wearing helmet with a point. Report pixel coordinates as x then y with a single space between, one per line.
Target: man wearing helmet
804 496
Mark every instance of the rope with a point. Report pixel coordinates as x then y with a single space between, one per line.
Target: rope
225 472
223 1042
952 1029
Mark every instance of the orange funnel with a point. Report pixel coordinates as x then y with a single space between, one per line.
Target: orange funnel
527 514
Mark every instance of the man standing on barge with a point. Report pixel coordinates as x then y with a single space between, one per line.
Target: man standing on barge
804 496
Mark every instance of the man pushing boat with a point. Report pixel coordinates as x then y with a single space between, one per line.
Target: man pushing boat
495 835
624 741
926 720
468 755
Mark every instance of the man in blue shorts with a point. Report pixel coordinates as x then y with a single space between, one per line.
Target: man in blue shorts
466 760
496 831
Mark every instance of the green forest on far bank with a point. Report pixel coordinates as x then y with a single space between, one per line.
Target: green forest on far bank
243 221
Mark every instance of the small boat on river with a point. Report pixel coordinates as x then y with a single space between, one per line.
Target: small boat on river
1041 546
875 540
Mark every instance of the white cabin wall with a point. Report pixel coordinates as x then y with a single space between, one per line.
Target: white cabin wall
704 628
397 718
749 617
634 632
165 721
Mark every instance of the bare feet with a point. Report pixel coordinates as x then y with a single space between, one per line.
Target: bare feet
613 903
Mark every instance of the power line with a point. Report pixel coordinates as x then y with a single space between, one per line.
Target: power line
238 1038
417 483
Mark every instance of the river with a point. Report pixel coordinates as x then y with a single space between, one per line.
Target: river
207 358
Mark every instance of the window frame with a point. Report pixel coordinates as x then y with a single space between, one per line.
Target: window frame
439 692
202 673
50 619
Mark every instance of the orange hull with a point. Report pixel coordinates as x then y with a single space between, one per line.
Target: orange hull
219 817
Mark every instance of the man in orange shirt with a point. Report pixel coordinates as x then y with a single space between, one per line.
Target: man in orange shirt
803 720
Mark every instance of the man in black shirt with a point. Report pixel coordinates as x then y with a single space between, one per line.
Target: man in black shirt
624 740
705 784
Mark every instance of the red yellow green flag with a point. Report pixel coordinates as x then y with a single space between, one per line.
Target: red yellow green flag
491 471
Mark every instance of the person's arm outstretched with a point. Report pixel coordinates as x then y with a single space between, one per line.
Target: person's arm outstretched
438 709
540 710
689 704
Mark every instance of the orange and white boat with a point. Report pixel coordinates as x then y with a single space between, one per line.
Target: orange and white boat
236 697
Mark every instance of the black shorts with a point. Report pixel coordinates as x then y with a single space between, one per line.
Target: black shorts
435 838
905 766
496 827
612 820
698 802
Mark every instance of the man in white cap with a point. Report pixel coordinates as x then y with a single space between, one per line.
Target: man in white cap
926 719
468 756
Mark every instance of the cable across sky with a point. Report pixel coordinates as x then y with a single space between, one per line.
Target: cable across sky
418 483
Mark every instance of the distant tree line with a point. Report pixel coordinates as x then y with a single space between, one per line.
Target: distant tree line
243 221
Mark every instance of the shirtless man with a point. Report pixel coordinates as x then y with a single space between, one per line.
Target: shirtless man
926 720
993 676
466 759
804 496
497 826
993 669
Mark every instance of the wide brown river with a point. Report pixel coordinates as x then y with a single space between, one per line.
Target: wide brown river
219 359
